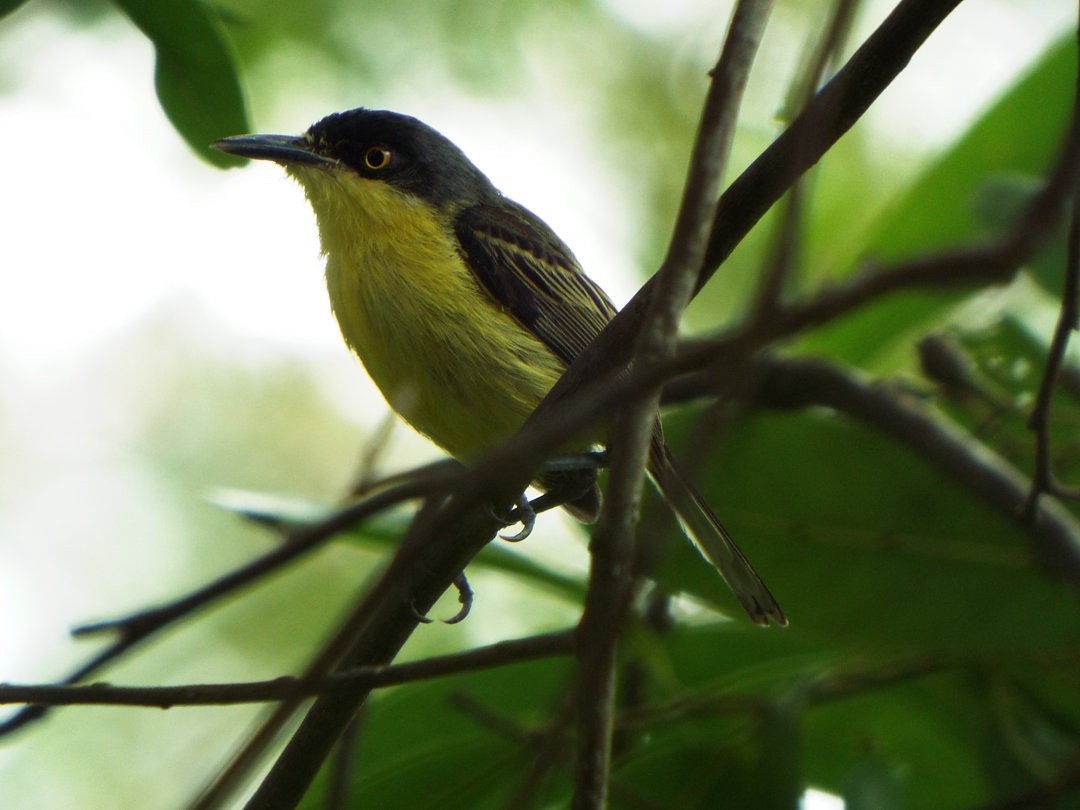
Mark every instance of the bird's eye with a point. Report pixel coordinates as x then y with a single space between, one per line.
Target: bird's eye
377 157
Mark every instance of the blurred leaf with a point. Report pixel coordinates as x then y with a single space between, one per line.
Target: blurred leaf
779 766
383 532
1008 362
1040 737
863 543
937 211
923 738
8 6
268 508
998 202
195 74
403 762
873 785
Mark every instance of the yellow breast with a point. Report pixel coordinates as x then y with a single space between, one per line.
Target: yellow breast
445 355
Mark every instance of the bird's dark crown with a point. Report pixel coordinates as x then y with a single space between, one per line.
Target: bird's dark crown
422 161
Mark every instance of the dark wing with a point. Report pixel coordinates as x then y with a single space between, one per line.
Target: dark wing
533 275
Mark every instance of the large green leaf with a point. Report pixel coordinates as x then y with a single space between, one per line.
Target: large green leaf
195 75
939 209
864 544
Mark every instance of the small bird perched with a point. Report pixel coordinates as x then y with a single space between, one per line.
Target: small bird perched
464 307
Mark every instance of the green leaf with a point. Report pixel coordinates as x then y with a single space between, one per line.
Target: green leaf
434 745
873 785
195 74
8 6
937 211
998 202
863 543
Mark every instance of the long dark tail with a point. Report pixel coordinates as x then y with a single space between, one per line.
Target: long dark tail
710 537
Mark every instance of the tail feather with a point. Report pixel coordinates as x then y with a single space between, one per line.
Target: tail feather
711 538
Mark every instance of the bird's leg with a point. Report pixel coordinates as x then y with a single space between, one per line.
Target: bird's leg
565 479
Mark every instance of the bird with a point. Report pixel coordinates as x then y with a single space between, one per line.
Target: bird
464 307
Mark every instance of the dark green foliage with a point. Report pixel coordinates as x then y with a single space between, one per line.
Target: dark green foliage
195 73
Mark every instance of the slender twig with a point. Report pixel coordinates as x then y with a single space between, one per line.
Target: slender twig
545 645
780 264
965 266
611 548
1039 422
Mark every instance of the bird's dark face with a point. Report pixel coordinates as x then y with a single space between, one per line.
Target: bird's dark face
378 145
401 150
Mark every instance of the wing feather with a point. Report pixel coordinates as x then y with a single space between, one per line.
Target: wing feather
533 275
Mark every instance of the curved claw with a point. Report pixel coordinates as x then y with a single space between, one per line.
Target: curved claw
420 617
526 516
465 598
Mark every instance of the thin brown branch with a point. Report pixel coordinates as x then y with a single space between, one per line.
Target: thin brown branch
612 546
839 684
499 654
782 260
365 479
1039 422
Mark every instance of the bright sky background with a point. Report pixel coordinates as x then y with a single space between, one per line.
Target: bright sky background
109 221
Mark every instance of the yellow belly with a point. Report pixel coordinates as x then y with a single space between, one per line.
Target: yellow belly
447 358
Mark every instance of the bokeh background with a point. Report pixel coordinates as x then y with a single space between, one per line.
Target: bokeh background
165 336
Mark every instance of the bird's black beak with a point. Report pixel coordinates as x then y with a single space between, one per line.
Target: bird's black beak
286 149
